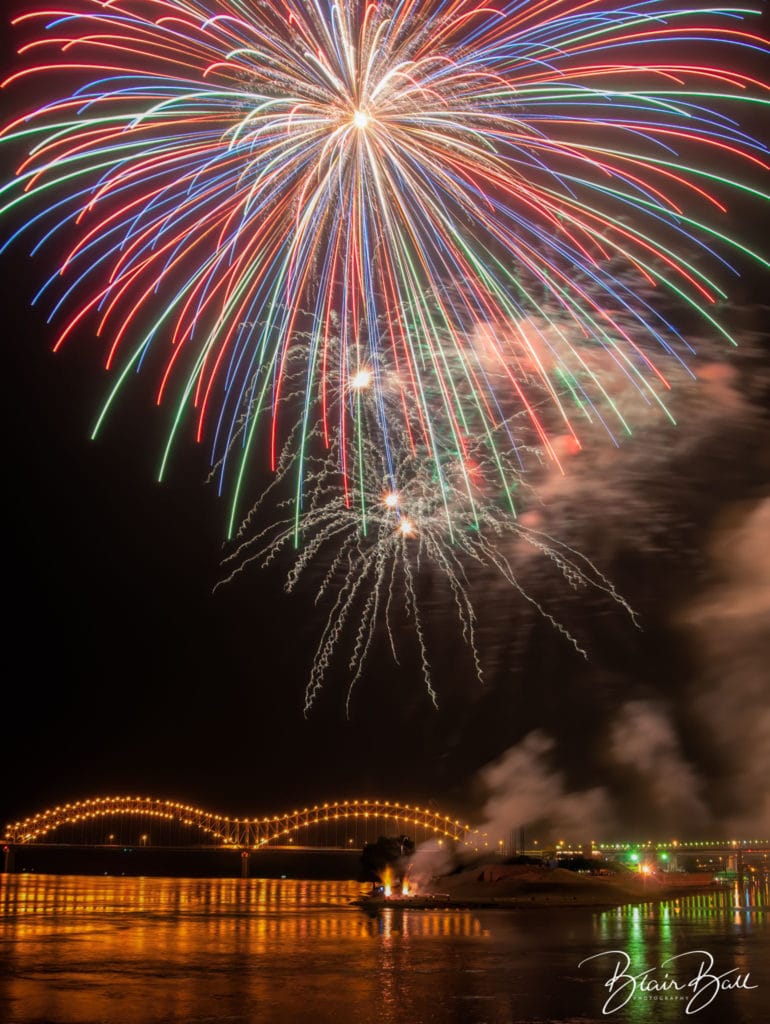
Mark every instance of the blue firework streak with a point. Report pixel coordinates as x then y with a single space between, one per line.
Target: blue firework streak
448 188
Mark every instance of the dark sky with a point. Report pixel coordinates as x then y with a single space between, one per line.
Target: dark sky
124 672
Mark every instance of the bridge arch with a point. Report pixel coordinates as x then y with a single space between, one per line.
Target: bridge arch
248 833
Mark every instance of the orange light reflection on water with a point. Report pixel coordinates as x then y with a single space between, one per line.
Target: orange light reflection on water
84 949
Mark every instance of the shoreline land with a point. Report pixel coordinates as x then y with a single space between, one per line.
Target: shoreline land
528 886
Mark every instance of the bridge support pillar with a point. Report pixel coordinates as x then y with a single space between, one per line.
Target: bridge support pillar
8 858
244 863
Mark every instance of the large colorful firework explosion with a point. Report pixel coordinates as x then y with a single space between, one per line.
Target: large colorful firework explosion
399 253
424 180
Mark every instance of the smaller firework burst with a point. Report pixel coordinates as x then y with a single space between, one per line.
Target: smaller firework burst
448 522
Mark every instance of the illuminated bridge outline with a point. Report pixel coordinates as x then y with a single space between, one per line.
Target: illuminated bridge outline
241 833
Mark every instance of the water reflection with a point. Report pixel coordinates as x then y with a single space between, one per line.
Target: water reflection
745 904
717 923
155 951
271 908
65 894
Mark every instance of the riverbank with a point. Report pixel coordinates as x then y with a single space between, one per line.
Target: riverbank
525 886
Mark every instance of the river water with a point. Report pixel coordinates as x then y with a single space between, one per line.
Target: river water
77 950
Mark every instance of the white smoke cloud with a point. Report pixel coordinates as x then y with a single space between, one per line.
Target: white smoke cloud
432 859
643 738
674 758
524 789
726 713
730 626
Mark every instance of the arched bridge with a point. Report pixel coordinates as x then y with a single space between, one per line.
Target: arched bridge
337 824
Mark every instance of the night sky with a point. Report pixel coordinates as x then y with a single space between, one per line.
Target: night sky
124 673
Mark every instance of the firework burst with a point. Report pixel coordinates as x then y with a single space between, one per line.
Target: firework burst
367 554
411 174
